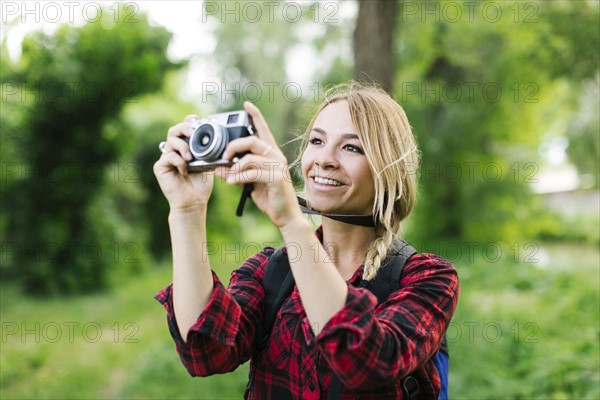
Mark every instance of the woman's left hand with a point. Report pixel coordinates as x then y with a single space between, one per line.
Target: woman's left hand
266 167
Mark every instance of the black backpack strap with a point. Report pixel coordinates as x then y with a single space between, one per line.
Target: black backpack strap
385 283
387 280
278 283
335 388
411 388
444 347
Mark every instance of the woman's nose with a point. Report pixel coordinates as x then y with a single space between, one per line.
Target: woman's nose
327 157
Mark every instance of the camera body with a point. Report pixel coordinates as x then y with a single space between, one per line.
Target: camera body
211 136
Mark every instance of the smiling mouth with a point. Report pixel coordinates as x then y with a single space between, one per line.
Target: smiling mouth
325 181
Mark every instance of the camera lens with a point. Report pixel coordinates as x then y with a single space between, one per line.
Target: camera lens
205 139
208 142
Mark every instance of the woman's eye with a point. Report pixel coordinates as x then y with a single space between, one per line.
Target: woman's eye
315 141
354 149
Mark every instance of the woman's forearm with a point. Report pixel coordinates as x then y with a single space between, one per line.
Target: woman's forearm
192 277
322 288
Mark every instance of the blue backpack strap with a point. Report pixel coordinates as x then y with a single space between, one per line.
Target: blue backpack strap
441 362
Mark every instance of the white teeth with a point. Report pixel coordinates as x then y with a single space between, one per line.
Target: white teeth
324 181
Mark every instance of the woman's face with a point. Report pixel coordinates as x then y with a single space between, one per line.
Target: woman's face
337 177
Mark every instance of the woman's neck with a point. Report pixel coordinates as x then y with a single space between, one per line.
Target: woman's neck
346 245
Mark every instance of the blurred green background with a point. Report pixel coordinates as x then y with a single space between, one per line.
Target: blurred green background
503 97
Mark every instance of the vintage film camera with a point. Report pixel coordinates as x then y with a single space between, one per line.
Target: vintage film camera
211 136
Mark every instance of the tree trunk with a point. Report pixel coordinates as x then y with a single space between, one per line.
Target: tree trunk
373 42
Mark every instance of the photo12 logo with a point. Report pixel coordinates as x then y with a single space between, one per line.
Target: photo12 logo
88 252
67 92
271 11
70 331
452 12
468 92
492 332
54 12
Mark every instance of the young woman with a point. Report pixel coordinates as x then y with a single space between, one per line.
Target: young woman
358 158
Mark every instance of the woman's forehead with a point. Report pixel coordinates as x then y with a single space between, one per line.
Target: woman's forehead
335 118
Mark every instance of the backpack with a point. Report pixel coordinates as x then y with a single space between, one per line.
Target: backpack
278 283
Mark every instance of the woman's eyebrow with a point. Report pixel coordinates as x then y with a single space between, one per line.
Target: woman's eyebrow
344 135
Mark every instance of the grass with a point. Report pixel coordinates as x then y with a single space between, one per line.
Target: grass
522 330
529 330
114 345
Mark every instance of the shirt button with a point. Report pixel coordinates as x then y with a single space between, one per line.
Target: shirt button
311 386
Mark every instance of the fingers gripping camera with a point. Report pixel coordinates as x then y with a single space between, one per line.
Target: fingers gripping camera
211 136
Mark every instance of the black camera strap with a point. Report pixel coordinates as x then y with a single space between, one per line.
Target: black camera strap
248 188
361 220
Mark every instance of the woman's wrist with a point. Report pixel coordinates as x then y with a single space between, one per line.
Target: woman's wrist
293 225
187 213
187 226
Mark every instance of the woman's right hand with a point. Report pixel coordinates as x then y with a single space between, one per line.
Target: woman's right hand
182 190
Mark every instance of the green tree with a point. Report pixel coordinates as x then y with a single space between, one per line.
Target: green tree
480 92
67 89
374 42
584 135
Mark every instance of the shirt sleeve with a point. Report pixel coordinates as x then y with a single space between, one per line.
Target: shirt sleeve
222 337
367 345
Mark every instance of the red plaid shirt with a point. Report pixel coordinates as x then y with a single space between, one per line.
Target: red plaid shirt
370 347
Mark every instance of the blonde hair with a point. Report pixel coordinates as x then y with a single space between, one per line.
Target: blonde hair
392 155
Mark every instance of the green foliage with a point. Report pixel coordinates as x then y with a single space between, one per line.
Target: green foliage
60 220
481 93
552 226
527 328
158 374
146 123
584 140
